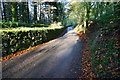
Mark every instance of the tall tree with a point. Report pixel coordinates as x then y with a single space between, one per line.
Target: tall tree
25 11
14 11
35 13
6 11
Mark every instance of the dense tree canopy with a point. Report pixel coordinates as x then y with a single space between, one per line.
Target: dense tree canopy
82 12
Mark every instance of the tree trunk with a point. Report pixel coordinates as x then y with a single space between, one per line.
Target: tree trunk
14 11
40 14
35 14
4 12
25 11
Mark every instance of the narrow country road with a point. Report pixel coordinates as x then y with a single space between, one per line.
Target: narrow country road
59 58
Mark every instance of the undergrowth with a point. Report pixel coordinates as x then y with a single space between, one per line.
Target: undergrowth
104 49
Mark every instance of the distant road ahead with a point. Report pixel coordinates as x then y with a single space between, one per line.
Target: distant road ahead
59 58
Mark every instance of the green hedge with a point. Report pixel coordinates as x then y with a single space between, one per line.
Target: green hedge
18 24
17 40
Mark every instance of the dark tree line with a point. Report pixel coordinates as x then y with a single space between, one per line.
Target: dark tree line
33 12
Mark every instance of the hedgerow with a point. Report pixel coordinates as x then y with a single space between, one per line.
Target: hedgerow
20 39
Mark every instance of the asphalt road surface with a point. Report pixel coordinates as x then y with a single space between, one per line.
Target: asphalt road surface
59 58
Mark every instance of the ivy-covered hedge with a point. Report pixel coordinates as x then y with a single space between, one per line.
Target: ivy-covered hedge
17 40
